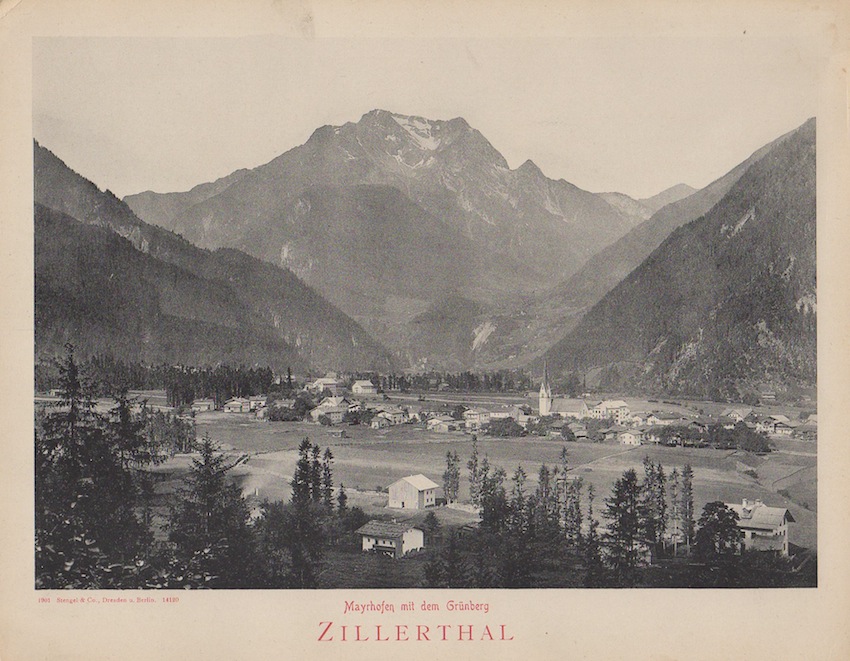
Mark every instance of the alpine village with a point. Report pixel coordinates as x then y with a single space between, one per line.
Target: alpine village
386 359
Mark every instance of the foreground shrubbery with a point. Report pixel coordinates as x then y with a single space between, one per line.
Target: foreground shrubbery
94 522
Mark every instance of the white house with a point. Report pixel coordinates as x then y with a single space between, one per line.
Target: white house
664 418
443 424
327 382
613 408
738 414
413 492
630 437
203 405
395 414
475 419
763 528
765 424
334 413
237 405
333 407
364 387
394 539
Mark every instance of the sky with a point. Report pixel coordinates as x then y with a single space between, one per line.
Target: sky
632 114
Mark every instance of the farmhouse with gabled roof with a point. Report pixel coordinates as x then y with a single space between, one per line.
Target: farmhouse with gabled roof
413 492
394 539
763 528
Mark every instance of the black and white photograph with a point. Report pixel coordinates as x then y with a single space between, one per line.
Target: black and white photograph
430 317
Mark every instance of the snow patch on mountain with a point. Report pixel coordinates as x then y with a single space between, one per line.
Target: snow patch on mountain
419 130
726 230
482 332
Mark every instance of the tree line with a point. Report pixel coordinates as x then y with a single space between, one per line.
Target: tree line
553 535
182 384
100 522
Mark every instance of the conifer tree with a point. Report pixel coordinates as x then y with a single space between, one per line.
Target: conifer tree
342 500
327 480
474 474
85 497
594 567
518 521
212 516
624 540
315 474
675 509
686 510
301 484
447 568
573 514
451 476
654 503
718 533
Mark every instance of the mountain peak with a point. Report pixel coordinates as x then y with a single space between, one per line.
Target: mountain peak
530 167
423 131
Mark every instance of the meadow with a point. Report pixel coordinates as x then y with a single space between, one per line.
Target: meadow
367 461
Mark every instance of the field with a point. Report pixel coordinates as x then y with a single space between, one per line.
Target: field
367 460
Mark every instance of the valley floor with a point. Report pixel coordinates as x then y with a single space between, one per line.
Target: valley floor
366 461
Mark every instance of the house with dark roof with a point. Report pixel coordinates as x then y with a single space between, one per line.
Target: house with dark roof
763 528
394 539
807 432
784 427
579 430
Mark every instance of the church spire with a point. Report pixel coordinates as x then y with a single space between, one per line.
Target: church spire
545 397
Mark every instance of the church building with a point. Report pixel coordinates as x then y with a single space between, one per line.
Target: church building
549 404
544 399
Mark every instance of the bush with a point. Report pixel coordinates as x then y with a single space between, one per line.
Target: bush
505 427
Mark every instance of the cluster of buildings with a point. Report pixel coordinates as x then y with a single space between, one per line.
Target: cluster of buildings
637 428
329 384
413 492
382 414
762 527
627 427
774 424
